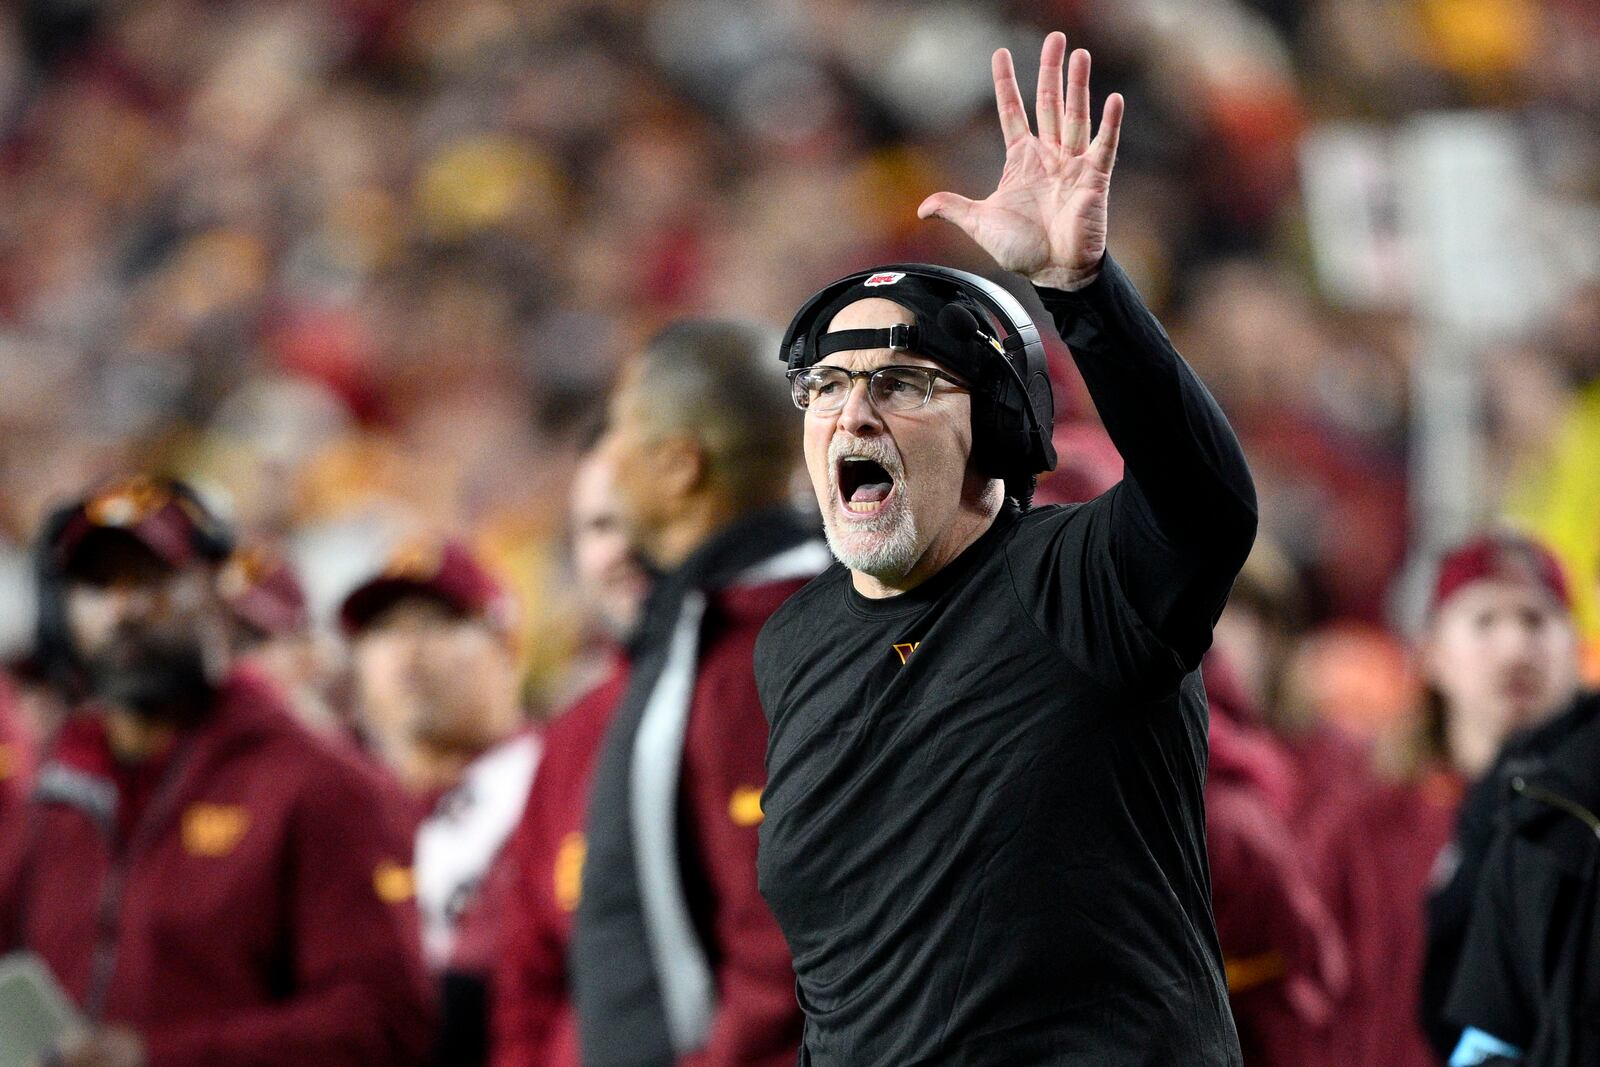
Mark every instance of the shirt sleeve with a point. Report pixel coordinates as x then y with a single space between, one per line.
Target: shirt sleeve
1184 516
361 994
757 1021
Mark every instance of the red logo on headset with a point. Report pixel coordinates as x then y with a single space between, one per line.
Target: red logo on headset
886 278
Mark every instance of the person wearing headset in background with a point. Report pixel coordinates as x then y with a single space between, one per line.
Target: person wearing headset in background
984 834
210 882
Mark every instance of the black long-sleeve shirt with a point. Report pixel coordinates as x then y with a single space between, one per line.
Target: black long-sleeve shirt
984 833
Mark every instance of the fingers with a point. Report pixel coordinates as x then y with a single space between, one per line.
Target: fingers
1048 103
1008 99
1103 152
1075 137
952 208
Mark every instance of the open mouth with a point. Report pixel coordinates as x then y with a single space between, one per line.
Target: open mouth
864 485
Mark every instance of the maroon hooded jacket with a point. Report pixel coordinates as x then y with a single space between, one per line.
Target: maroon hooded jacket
1286 962
531 1017
256 911
757 1022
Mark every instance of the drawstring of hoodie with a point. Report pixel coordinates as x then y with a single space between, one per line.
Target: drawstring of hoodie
1556 800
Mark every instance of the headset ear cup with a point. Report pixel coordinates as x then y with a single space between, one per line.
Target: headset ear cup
1041 398
983 432
1001 441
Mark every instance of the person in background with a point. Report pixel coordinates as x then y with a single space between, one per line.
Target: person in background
1453 897
210 882
1285 959
1498 654
674 956
437 674
433 647
1451 901
612 577
1528 982
1256 637
271 630
532 1017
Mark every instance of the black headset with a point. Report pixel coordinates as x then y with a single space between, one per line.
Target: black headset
1014 407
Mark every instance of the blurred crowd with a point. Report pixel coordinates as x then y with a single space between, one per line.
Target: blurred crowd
365 272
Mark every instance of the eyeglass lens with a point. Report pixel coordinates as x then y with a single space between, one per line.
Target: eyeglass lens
889 388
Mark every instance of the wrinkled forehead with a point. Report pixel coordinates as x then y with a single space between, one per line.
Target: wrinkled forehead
873 313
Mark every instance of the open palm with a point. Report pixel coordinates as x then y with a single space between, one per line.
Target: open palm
1046 219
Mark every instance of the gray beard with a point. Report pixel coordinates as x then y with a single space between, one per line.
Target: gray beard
891 557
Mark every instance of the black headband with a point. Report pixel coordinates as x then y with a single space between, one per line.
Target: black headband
948 329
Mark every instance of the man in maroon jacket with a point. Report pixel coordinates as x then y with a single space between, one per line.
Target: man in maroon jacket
211 883
541 872
675 959
437 670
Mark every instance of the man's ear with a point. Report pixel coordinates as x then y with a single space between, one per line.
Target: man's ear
678 466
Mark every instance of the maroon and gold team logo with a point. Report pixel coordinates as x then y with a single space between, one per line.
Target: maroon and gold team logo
126 503
568 871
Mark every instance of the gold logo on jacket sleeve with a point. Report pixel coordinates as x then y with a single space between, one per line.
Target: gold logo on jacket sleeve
568 872
394 883
904 650
744 807
213 829
1250 971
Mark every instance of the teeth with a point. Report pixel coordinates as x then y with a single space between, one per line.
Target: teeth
861 507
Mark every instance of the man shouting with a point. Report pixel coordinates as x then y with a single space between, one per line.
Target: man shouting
984 830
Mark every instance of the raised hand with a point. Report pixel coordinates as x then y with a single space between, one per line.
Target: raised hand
1046 220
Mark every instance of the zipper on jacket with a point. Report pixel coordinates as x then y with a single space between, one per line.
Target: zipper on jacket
108 920
104 961
1555 800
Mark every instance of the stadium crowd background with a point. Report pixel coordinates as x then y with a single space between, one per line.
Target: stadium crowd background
367 263
363 267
